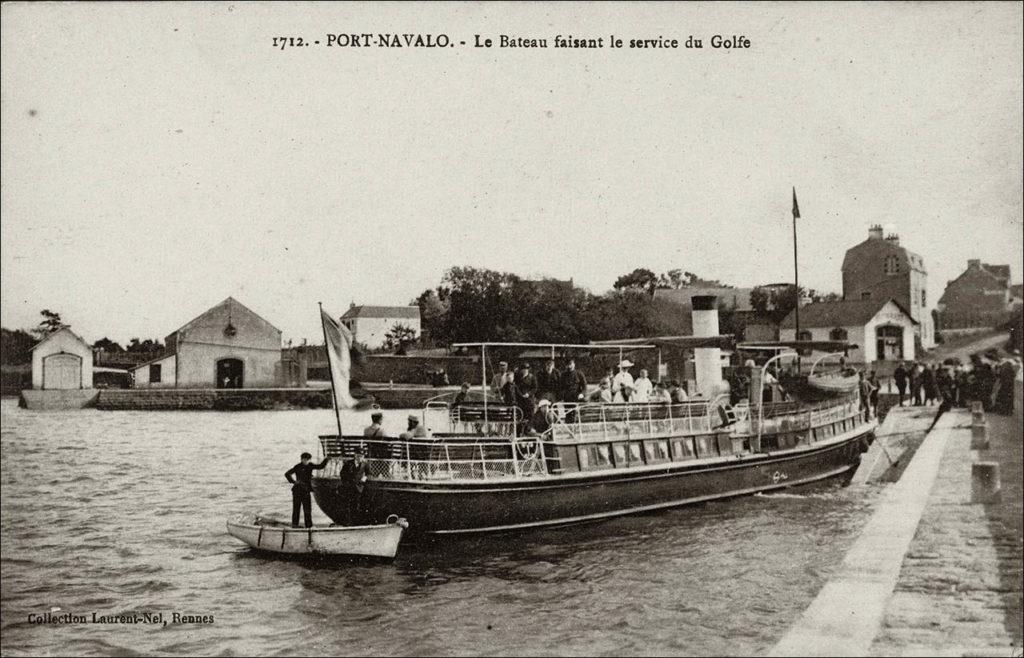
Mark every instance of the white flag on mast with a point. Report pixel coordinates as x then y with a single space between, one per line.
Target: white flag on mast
339 342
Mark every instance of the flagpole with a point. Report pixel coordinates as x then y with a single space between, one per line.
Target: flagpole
796 269
330 371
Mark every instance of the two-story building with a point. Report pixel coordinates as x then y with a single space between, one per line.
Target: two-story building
879 269
980 298
370 324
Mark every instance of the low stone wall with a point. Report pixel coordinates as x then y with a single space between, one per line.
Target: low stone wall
214 399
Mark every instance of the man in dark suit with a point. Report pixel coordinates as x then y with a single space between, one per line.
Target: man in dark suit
301 476
574 383
549 380
354 474
526 388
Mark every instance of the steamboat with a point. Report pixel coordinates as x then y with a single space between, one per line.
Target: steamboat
596 460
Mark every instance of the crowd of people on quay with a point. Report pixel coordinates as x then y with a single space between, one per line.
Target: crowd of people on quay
986 379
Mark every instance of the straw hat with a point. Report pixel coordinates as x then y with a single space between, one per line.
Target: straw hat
625 363
414 417
543 402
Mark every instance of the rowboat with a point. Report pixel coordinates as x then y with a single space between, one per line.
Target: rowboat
268 534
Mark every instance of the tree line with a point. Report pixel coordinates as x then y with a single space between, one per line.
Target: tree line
477 304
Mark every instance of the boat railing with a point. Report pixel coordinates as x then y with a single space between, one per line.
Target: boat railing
786 416
441 458
598 421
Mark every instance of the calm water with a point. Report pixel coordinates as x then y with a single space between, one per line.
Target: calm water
115 512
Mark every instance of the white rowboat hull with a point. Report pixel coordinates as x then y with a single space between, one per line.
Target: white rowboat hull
368 540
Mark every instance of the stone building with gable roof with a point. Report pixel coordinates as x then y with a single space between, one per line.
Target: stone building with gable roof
227 346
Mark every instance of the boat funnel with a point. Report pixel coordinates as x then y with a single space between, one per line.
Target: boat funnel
707 361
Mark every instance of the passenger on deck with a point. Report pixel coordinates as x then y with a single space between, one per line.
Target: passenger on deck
462 395
677 392
374 429
603 392
508 391
661 394
503 385
622 379
543 417
526 388
375 433
548 382
624 394
416 430
642 388
574 383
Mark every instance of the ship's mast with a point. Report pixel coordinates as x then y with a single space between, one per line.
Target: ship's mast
796 268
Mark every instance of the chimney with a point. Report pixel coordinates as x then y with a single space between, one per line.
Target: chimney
974 263
893 239
707 361
875 232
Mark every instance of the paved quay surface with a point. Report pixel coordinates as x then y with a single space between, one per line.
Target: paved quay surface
849 610
959 587
931 574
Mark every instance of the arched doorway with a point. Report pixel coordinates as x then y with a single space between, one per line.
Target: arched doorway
889 343
62 371
230 373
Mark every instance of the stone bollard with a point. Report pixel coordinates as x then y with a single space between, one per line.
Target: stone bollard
979 436
977 407
985 483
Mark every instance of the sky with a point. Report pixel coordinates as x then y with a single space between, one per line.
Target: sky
157 158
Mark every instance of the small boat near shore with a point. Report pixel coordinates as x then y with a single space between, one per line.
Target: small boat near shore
274 536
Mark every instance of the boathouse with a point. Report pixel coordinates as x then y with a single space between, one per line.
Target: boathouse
882 329
228 346
62 361
370 324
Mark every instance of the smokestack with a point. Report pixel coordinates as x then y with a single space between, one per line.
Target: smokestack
875 232
707 361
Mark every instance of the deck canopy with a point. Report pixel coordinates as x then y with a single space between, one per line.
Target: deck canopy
611 345
780 345
724 341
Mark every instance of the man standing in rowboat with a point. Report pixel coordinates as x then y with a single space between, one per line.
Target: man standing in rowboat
300 477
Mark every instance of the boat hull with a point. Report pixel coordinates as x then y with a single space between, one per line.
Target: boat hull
498 505
372 541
